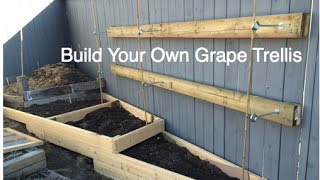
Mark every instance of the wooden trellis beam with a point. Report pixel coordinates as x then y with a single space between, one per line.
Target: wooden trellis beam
289 113
295 26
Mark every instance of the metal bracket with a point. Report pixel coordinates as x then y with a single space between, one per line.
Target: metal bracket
96 33
145 84
28 95
141 31
256 25
254 117
296 114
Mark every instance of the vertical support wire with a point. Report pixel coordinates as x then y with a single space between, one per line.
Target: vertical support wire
304 92
98 44
141 63
21 52
246 121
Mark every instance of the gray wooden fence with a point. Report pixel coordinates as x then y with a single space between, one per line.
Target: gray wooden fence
43 37
213 127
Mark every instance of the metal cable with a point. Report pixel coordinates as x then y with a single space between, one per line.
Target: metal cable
304 92
98 44
141 64
21 52
246 121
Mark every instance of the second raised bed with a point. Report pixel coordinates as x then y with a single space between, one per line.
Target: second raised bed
86 142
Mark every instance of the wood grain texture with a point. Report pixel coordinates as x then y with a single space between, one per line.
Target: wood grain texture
296 26
224 97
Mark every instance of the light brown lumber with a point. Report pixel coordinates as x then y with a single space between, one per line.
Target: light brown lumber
289 113
296 26
72 143
23 161
78 114
112 172
132 138
45 124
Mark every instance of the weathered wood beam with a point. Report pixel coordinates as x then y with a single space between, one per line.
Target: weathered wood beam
289 113
295 26
13 101
24 161
61 90
73 97
22 84
29 141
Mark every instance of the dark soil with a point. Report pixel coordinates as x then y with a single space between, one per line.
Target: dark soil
109 121
51 75
63 161
160 152
58 107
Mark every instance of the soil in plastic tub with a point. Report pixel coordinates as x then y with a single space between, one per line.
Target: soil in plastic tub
58 107
109 121
160 152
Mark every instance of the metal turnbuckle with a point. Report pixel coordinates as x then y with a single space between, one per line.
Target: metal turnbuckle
141 31
254 117
145 84
256 25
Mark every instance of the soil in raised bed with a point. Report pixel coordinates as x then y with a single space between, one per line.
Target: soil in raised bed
58 107
60 160
160 152
51 75
109 121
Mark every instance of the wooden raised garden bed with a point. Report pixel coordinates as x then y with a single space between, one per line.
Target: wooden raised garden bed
83 141
120 166
105 150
